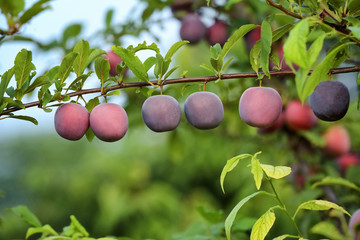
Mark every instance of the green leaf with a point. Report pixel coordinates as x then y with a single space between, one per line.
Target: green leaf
212 216
23 67
66 66
355 31
133 62
230 3
215 57
26 118
160 66
319 205
174 48
47 229
300 80
149 62
295 46
5 80
71 31
144 46
81 60
75 226
94 53
282 237
276 172
279 32
229 166
336 181
167 75
231 218
39 81
263 226
108 18
226 64
257 171
236 37
209 68
327 229
34 10
255 56
27 215
266 41
102 68
13 7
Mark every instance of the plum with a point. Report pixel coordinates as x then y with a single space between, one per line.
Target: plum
346 160
330 100
114 60
260 106
217 33
354 224
192 28
109 122
204 110
299 116
337 140
71 121
161 113
252 37
275 126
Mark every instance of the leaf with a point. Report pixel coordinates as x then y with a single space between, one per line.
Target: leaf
255 56
212 216
47 229
327 229
257 171
230 219
282 237
209 68
133 62
279 32
174 48
226 64
39 81
108 18
229 166
80 62
355 31
94 53
236 37
266 41
315 49
5 80
144 46
77 227
27 215
26 118
34 10
23 67
295 46
71 31
336 181
66 66
215 57
276 172
167 75
319 205
149 63
263 226
102 68
13 7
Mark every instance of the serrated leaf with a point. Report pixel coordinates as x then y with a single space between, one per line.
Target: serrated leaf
257 171
327 229
27 215
5 80
276 172
12 8
279 32
231 218
108 18
209 68
94 53
236 37
34 10
23 67
102 68
266 41
25 118
319 205
255 56
47 229
133 62
77 227
263 226
336 181
167 75
144 46
149 62
71 31
39 81
229 166
80 62
174 48
66 66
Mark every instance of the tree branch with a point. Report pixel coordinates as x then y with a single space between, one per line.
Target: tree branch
281 8
181 80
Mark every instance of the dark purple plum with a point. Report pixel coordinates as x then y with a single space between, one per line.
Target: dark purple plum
330 100
354 224
161 113
192 28
217 33
204 110
109 122
260 106
71 121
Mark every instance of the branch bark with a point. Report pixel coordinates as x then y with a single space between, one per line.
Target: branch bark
182 80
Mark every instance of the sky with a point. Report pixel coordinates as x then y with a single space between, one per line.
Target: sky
49 25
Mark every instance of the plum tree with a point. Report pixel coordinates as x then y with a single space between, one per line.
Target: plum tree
161 113
109 122
346 160
71 121
330 100
204 110
192 28
337 140
217 33
260 106
299 116
354 224
114 60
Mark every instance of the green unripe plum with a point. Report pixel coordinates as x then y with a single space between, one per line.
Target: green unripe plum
204 110
109 122
161 113
71 121
260 106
